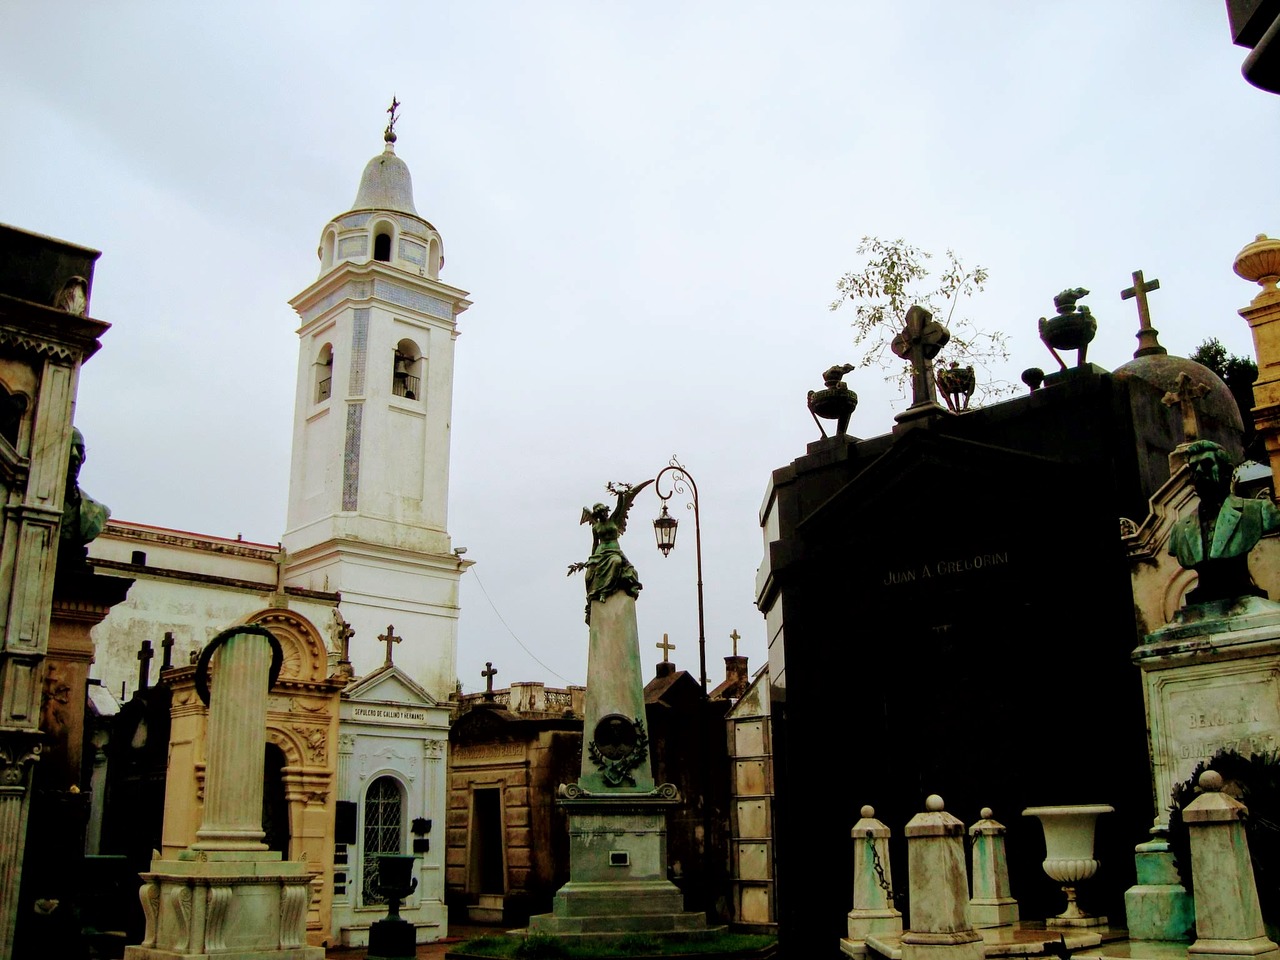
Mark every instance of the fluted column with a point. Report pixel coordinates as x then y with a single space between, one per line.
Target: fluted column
234 747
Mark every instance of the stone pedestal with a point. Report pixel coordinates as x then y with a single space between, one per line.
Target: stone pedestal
1158 907
992 903
1228 918
873 913
940 927
617 817
1211 680
227 896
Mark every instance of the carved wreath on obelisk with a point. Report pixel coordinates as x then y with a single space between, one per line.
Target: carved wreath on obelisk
620 745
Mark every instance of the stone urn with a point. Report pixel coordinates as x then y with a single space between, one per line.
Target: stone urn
1068 855
396 880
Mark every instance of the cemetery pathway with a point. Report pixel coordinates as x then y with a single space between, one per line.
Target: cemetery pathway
427 951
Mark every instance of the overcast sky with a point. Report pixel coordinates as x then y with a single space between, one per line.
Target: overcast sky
650 204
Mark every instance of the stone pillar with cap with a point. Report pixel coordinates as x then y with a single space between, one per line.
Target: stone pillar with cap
1228 917
873 913
1259 262
939 888
992 903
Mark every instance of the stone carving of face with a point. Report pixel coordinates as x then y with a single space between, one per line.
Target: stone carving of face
1210 473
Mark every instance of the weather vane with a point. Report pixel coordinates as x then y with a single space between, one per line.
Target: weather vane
390 135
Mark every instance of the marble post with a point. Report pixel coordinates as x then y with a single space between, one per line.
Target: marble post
227 894
873 913
1228 918
939 886
234 744
992 903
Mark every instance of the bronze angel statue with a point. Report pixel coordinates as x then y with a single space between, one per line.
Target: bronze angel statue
608 570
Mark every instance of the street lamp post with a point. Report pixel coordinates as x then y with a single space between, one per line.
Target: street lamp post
664 530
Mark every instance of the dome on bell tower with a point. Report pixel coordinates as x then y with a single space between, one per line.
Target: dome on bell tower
386 184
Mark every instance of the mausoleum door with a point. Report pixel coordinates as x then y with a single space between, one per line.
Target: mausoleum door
383 832
486 870
275 807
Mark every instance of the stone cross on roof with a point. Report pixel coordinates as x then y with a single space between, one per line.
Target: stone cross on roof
389 638
919 342
489 672
666 646
1148 341
1186 394
345 633
735 638
167 645
144 664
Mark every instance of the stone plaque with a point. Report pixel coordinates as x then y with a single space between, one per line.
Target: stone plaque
1201 710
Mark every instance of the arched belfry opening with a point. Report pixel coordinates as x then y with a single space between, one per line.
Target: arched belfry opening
407 370
382 237
324 373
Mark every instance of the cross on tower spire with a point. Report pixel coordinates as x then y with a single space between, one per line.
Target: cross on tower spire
389 638
390 134
1148 339
666 646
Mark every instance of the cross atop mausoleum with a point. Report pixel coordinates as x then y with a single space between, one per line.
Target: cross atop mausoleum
666 646
1148 341
735 638
166 645
144 664
389 638
1186 394
919 342
489 672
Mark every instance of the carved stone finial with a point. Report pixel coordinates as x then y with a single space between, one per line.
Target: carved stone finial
1259 262
835 401
868 812
933 803
1211 781
1072 329
956 384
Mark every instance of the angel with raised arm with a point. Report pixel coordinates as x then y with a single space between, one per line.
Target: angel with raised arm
607 569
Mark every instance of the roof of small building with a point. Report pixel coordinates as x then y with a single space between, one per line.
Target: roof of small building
1161 371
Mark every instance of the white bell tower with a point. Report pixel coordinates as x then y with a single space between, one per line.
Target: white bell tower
369 480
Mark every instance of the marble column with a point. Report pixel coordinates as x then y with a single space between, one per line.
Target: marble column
992 903
873 913
1228 917
235 746
939 885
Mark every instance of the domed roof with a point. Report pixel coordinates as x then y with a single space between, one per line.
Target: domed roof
386 184
1161 371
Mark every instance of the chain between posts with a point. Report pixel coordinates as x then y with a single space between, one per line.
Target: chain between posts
875 862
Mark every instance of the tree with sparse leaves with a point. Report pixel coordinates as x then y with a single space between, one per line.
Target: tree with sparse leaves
1238 373
894 278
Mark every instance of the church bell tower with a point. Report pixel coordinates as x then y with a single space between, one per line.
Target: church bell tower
369 479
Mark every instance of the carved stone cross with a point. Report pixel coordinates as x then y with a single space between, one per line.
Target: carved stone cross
144 664
167 646
489 672
345 633
1148 344
666 646
1185 394
735 638
919 342
389 638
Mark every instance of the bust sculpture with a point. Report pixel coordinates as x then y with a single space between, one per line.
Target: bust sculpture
1215 539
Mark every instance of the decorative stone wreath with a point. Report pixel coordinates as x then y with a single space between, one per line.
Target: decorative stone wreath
617 771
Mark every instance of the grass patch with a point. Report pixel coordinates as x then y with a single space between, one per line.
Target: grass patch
543 947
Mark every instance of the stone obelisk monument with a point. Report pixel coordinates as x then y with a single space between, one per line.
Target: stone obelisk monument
617 815
227 894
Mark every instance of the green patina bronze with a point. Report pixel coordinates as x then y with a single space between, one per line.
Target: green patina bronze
83 517
608 570
1216 538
